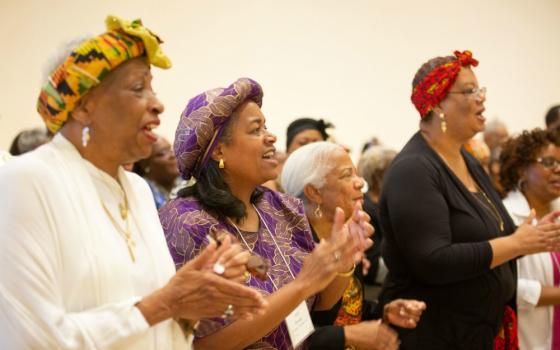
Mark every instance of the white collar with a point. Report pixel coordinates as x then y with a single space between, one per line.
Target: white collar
61 141
517 206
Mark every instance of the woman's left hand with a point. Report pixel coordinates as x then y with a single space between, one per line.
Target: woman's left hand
550 218
366 264
360 229
232 259
403 313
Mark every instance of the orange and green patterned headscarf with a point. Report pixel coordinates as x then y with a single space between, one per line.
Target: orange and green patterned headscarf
436 84
90 63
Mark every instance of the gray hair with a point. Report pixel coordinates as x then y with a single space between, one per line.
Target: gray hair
374 160
494 125
309 164
59 55
28 140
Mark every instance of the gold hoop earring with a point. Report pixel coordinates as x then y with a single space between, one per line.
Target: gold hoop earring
221 165
443 123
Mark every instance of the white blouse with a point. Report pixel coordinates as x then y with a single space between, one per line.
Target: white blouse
534 271
67 280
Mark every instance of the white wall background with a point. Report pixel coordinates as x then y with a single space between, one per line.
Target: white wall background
351 61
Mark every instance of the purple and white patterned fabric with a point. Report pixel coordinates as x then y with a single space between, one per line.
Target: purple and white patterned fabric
203 121
186 225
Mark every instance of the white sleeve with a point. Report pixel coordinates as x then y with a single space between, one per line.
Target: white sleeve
32 312
528 293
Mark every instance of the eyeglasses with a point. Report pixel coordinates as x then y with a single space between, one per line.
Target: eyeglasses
549 162
476 93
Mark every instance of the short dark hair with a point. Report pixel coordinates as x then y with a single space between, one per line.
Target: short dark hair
27 140
552 116
519 152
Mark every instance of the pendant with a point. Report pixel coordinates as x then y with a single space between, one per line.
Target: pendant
123 210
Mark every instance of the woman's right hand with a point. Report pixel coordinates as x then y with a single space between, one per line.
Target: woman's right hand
195 292
531 239
329 258
371 335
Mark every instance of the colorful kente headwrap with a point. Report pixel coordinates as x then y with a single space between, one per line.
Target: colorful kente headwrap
436 84
90 63
203 121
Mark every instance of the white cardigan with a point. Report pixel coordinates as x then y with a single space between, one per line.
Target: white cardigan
534 271
66 278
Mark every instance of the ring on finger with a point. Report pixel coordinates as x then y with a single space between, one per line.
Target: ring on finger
228 313
218 268
247 276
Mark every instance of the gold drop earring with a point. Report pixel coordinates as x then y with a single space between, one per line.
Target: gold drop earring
443 123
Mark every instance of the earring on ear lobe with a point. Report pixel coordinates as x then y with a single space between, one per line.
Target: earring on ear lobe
221 165
318 212
85 136
443 123
147 170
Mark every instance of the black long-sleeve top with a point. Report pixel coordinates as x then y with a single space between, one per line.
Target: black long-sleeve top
374 253
328 336
436 249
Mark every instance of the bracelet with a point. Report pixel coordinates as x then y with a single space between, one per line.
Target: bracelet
347 274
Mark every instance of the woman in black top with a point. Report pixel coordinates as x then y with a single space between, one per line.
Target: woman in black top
449 241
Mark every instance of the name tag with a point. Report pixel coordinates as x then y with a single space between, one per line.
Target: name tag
299 324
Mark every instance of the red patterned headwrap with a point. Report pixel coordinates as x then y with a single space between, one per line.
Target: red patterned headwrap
435 85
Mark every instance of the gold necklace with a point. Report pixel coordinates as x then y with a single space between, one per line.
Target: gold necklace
127 236
493 209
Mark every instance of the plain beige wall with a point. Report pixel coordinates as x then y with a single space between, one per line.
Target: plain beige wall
351 61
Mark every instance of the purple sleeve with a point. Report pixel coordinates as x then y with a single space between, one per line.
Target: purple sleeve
185 227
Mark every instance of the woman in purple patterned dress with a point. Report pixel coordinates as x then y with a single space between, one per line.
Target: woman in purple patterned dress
222 142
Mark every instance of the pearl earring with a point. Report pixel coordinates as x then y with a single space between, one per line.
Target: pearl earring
85 136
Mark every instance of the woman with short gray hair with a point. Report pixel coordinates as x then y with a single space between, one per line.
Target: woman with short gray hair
324 177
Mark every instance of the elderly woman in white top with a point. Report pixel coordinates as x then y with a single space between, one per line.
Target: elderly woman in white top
84 260
530 173
324 177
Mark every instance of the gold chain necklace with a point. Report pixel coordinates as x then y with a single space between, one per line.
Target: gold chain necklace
493 209
127 236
